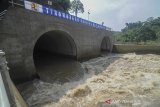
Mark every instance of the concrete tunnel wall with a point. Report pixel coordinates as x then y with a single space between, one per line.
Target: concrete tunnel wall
57 42
54 43
21 29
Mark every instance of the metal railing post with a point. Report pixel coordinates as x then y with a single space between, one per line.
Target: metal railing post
12 3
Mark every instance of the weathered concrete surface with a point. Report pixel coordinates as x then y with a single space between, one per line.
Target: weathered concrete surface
21 29
14 97
6 79
129 48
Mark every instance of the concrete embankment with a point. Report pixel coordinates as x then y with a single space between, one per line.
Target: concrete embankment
129 48
11 96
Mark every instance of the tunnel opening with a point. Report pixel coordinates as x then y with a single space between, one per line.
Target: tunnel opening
106 46
55 57
55 44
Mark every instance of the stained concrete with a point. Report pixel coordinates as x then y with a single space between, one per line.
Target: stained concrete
21 29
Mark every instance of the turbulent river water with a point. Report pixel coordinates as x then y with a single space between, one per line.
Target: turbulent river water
116 80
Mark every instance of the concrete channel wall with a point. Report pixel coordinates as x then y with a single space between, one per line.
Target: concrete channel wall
141 49
6 86
11 96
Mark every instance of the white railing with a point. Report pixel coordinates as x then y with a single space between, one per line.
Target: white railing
2 14
4 100
13 3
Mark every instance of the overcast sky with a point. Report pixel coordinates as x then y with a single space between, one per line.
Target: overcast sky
115 13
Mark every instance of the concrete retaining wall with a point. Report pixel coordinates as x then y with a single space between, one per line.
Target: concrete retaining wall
6 79
13 96
121 48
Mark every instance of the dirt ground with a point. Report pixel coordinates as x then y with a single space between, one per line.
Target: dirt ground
117 80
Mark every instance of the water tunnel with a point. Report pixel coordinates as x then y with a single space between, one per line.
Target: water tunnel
55 57
106 45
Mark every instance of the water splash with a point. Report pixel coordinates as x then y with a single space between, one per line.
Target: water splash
128 80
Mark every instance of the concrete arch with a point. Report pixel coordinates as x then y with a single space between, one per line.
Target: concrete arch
55 43
84 41
106 44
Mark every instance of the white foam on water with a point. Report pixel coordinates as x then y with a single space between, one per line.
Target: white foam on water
127 80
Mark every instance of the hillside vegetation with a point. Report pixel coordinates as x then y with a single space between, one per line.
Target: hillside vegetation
147 32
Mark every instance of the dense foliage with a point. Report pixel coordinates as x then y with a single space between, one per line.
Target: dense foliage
148 30
65 4
76 7
62 5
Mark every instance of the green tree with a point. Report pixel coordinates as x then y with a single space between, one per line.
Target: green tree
158 35
146 33
150 19
76 7
65 4
148 30
130 26
62 5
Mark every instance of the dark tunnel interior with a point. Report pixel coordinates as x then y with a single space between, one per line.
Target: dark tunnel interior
55 57
106 45
55 43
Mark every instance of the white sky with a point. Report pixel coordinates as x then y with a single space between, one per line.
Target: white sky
115 13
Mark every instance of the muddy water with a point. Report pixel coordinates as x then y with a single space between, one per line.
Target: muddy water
60 70
127 80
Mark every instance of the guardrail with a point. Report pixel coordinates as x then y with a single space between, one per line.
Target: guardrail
5 86
13 3
56 13
2 14
9 95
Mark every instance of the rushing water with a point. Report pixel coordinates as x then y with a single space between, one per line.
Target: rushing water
61 70
128 80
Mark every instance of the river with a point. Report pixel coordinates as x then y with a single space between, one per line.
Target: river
116 80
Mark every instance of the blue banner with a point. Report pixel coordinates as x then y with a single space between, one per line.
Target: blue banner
50 11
